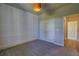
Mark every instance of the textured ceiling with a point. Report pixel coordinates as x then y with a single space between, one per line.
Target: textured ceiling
46 7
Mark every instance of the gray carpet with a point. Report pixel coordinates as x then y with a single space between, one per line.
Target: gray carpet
37 48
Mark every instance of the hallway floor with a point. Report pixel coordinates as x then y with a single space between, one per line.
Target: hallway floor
38 48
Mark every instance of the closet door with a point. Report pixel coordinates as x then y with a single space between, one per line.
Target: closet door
59 31
50 30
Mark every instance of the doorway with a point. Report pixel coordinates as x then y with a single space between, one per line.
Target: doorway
71 32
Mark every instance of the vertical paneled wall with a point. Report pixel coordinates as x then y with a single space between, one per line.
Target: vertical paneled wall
16 26
52 30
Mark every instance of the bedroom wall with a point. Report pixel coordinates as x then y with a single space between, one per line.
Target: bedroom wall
52 30
16 26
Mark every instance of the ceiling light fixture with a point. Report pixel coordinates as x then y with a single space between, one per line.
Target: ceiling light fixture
37 7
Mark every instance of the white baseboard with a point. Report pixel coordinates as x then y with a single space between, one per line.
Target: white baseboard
16 43
58 44
53 42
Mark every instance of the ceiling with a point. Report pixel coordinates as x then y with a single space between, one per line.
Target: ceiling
46 7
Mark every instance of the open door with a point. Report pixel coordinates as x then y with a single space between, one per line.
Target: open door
71 32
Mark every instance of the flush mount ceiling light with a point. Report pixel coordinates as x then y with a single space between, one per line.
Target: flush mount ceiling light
37 7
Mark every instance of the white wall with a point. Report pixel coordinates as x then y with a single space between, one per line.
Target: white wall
16 26
52 30
42 30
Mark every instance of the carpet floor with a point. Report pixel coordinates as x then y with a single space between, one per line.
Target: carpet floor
38 48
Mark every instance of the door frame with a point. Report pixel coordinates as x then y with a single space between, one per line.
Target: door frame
73 43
